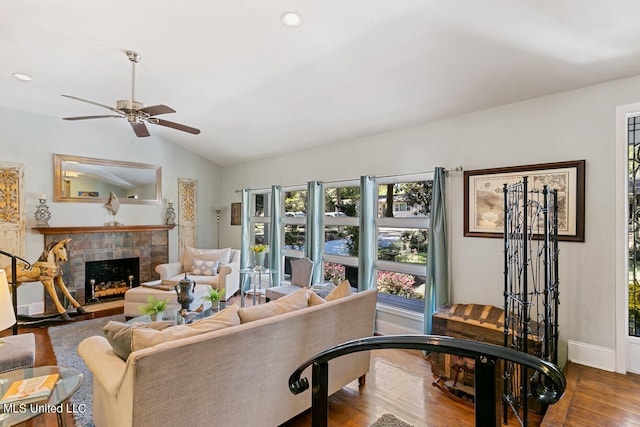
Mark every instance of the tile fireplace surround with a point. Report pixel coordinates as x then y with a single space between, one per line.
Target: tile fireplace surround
150 243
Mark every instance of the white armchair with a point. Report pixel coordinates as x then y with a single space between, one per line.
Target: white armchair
227 277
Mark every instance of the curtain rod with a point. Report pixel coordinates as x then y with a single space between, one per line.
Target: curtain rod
446 172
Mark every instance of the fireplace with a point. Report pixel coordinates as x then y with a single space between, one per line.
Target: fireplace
111 278
148 243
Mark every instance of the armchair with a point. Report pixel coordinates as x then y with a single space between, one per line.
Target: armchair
301 271
227 277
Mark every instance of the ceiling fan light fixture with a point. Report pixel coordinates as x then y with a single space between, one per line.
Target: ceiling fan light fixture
134 111
23 77
290 19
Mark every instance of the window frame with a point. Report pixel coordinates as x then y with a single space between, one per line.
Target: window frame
292 220
414 222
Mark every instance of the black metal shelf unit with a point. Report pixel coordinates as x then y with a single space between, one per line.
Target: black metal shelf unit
530 287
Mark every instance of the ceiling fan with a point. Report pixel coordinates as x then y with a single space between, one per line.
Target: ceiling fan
134 111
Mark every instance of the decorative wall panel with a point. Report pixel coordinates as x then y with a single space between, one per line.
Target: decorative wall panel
187 214
12 210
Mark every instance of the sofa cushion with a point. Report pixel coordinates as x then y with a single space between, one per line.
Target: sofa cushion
119 335
342 290
315 299
143 338
292 302
222 255
205 267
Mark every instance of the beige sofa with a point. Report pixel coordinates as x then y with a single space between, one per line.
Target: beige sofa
236 376
227 277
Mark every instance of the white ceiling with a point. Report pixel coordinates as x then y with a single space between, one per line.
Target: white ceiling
354 67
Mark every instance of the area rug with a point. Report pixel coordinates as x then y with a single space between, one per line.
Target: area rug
388 420
65 340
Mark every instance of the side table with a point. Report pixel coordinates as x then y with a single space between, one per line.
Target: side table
256 282
69 381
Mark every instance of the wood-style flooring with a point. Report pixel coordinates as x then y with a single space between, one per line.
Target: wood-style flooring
399 382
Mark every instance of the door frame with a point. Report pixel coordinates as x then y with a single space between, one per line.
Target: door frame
627 348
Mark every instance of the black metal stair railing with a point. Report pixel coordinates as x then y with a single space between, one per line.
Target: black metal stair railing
547 384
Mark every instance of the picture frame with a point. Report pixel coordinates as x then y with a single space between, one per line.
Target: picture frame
235 213
484 197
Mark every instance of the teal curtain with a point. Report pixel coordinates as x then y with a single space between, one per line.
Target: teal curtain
367 235
436 291
275 245
314 244
245 236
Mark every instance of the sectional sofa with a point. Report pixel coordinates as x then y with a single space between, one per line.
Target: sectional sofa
234 376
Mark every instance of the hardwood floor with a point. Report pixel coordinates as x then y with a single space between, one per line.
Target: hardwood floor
399 382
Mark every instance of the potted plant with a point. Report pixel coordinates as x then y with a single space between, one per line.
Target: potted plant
154 307
214 296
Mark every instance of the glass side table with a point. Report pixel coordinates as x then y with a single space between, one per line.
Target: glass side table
256 282
69 381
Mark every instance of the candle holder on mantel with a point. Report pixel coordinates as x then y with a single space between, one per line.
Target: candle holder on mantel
42 212
170 215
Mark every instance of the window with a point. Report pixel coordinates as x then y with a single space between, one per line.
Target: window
633 138
341 232
294 221
260 219
403 230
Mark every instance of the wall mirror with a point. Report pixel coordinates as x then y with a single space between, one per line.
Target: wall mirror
83 179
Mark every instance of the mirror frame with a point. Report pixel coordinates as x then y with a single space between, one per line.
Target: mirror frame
58 176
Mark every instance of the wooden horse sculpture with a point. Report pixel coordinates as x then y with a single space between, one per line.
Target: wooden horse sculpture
48 271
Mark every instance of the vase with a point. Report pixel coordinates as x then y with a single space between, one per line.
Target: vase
184 291
259 258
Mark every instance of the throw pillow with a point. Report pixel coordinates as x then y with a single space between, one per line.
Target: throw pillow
143 338
203 267
314 299
323 290
222 255
119 335
342 290
291 302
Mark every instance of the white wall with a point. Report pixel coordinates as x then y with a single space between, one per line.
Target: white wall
32 140
574 125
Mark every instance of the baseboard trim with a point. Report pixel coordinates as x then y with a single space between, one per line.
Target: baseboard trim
592 355
31 309
390 328
633 356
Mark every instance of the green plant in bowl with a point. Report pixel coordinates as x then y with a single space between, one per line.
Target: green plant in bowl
154 306
214 296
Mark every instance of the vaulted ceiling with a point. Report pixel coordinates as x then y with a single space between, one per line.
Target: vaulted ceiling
351 68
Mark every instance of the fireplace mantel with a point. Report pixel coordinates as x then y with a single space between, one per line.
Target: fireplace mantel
101 229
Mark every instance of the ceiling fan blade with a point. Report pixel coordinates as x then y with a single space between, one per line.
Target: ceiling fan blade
91 102
154 110
91 117
177 126
140 129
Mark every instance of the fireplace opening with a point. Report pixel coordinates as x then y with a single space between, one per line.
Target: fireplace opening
110 279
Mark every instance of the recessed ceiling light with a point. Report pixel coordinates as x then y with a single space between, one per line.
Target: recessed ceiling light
23 77
290 19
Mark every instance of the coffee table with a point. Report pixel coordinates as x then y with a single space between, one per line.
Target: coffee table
69 381
175 317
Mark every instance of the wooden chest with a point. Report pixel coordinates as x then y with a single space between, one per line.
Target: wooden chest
468 321
473 322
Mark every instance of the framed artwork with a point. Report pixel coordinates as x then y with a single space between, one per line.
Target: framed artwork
484 197
235 213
